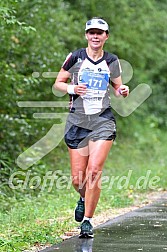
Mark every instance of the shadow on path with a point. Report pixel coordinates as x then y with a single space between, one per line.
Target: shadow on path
144 229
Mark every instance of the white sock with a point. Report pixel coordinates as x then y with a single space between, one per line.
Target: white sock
87 218
83 199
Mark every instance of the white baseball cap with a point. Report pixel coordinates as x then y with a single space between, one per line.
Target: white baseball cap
97 23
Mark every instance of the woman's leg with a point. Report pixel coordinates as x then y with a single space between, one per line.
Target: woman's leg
79 161
98 152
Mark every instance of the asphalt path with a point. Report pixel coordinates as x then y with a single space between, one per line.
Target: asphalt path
144 229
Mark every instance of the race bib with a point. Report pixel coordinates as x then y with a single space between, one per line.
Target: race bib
97 84
95 81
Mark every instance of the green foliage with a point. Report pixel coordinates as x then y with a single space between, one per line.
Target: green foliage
36 36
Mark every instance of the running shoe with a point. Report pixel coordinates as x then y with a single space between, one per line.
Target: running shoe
86 230
80 210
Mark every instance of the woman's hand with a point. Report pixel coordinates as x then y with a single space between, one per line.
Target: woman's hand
80 89
123 90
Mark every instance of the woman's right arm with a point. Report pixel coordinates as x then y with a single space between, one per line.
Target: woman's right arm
61 84
61 80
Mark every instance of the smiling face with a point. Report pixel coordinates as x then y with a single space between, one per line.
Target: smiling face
96 38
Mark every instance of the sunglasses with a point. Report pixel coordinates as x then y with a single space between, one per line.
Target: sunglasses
96 32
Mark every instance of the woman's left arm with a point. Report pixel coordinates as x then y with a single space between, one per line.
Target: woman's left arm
119 88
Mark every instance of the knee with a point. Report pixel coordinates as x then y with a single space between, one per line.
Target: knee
75 181
94 172
78 180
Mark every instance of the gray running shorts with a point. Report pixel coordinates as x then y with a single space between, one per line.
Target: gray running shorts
82 128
